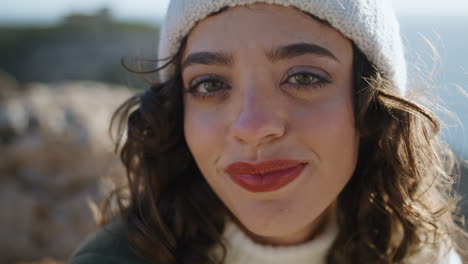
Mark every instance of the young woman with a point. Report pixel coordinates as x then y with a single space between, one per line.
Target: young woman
280 132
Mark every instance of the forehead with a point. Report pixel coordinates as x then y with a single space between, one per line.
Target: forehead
263 26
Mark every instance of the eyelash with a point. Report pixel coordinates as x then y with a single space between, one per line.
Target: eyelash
216 79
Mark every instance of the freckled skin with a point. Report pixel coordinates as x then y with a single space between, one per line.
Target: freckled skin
259 118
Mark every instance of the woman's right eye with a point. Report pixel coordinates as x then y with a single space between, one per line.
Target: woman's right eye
205 87
208 86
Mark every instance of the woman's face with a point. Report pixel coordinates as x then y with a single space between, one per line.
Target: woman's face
269 116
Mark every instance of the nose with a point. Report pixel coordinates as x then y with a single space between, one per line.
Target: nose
258 121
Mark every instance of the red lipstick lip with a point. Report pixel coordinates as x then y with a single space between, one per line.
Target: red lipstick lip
266 176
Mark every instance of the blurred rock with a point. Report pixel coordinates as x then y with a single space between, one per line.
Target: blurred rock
56 158
8 86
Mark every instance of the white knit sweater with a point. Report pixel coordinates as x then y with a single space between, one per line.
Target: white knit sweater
242 250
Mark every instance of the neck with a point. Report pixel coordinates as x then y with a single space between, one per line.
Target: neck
301 236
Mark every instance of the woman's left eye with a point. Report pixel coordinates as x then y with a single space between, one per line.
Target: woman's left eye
302 78
305 79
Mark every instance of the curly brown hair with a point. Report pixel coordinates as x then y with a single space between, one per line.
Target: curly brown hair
398 201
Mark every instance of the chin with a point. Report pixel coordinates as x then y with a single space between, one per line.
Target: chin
282 227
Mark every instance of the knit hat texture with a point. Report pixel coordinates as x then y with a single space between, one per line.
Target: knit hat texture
371 24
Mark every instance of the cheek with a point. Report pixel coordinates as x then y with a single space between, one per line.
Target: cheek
203 133
330 132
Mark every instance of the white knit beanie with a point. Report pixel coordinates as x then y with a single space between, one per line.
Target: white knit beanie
370 24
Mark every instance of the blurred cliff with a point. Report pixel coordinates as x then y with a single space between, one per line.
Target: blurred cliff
82 47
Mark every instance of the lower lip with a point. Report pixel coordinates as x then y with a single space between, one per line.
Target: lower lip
268 182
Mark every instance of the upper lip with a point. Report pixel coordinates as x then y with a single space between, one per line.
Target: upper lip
264 167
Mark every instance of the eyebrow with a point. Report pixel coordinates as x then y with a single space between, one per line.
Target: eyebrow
207 58
299 49
282 53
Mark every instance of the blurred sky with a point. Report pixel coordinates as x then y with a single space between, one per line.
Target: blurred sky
151 11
